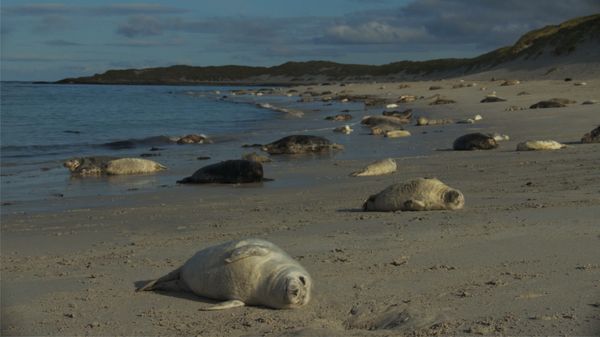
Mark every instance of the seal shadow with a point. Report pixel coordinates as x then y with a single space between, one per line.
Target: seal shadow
350 210
177 294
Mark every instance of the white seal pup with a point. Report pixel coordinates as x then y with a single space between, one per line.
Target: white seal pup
538 145
377 168
397 133
346 129
422 194
132 166
241 272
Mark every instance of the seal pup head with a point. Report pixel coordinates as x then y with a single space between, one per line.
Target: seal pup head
291 289
297 290
72 164
453 199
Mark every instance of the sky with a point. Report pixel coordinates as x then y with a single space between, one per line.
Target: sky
50 40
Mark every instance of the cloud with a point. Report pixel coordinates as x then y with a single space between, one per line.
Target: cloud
62 43
141 25
374 32
51 23
485 24
38 9
105 10
135 9
148 43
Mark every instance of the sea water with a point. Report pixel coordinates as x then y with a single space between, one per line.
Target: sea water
42 125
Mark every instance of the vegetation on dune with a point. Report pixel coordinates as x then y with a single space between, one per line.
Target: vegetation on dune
558 40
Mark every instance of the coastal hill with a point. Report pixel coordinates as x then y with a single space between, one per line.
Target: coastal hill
574 41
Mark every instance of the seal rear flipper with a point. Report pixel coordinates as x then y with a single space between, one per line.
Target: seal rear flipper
414 205
247 251
159 284
225 305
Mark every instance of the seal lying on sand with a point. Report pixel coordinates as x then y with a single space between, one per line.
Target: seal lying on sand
397 133
422 194
538 145
298 144
241 272
87 166
552 103
592 136
474 141
406 114
376 120
377 168
382 129
227 172
422 121
132 166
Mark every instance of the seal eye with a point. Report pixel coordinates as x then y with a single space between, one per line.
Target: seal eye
302 280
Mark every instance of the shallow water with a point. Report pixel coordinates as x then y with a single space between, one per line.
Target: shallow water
42 125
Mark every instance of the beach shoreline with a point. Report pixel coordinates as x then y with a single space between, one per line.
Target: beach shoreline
520 259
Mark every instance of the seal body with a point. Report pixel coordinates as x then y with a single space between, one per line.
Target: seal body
397 133
592 136
422 121
297 144
259 158
88 166
132 166
390 120
539 145
194 139
227 172
422 194
474 141
377 168
241 272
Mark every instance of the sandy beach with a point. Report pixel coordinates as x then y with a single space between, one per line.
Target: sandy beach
520 259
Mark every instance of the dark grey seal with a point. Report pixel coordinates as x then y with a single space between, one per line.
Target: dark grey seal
474 141
592 136
87 166
297 144
227 172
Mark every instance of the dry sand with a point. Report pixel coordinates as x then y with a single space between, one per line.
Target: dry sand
522 258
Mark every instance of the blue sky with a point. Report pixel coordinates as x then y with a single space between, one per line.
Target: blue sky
50 40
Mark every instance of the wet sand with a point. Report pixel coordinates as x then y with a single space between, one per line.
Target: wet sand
520 259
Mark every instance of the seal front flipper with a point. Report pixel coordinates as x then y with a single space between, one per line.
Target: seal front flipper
414 205
247 251
225 305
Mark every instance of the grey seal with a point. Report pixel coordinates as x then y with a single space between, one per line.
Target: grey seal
422 194
474 141
241 272
297 144
227 172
